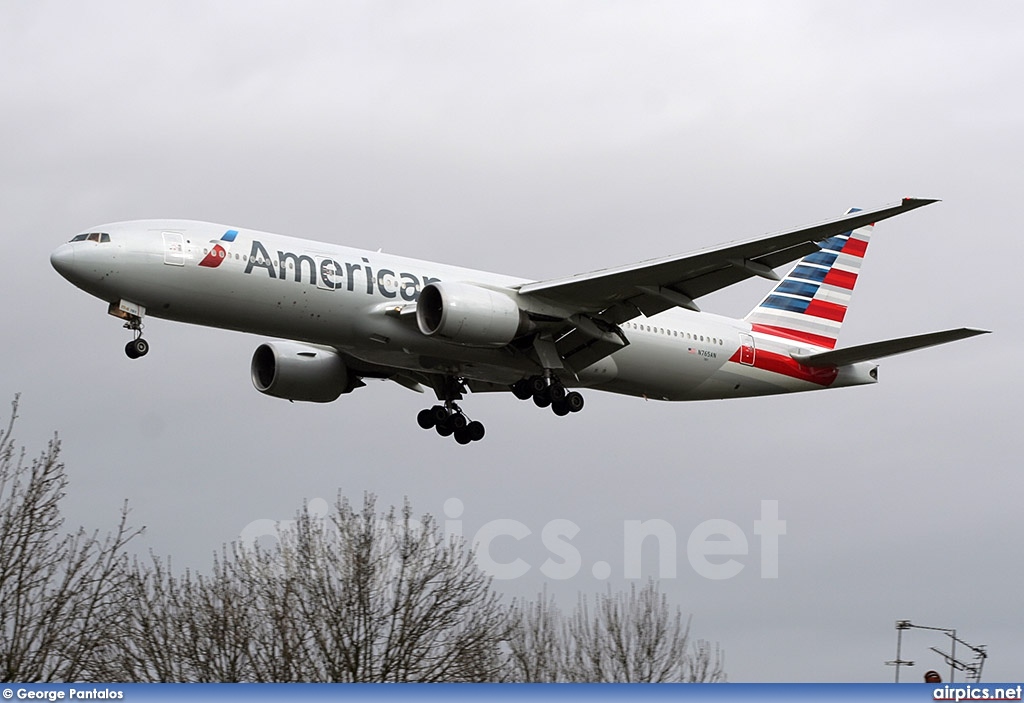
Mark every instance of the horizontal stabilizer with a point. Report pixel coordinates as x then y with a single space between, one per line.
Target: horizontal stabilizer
890 347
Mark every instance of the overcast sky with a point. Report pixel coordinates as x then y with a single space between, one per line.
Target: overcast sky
542 139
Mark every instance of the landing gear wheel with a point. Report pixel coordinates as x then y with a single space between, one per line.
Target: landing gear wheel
522 390
458 421
560 408
542 400
439 413
425 419
557 392
574 401
463 436
444 429
136 348
538 385
475 430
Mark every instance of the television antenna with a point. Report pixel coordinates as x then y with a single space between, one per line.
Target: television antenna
972 669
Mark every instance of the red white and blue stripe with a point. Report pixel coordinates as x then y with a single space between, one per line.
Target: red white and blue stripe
810 303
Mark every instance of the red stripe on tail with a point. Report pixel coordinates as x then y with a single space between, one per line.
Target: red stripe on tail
855 247
787 366
816 340
826 310
840 279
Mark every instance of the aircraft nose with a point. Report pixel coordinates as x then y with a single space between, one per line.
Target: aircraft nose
63 259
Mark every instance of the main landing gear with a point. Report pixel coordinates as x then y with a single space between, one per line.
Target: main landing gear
449 420
548 392
138 346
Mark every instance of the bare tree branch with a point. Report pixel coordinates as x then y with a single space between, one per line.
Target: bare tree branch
61 596
624 637
360 595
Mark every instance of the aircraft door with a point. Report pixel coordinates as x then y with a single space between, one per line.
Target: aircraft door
747 350
174 249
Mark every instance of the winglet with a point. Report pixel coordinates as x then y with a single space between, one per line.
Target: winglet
911 203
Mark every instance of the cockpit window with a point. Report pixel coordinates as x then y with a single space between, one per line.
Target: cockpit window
91 237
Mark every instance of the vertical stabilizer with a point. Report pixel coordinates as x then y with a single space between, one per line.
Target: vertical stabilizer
809 304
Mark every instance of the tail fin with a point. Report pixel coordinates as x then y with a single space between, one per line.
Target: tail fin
809 304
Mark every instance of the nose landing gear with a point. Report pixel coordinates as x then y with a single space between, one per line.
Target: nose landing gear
138 346
132 314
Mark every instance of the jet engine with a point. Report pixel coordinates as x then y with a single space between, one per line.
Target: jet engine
467 314
296 371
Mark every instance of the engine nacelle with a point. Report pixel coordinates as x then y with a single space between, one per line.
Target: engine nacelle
467 314
296 371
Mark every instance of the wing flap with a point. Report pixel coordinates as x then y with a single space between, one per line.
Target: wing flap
889 347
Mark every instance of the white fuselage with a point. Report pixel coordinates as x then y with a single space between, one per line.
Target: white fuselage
351 300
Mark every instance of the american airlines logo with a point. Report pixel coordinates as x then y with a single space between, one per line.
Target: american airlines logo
329 274
217 253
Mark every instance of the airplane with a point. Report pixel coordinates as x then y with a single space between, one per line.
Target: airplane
341 315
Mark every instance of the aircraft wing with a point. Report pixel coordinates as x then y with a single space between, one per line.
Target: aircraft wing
890 347
650 287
